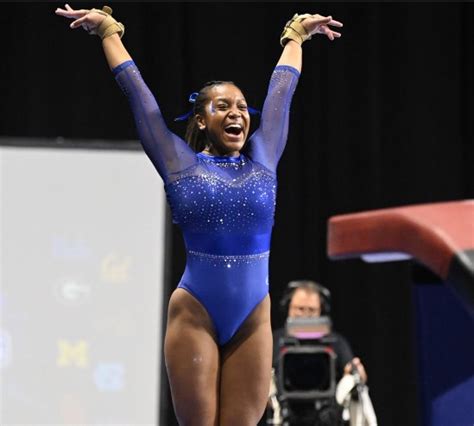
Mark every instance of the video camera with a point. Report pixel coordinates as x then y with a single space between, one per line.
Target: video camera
305 381
307 361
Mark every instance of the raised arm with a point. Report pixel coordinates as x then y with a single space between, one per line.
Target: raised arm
267 144
168 153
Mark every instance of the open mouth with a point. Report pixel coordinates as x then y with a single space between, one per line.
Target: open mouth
234 129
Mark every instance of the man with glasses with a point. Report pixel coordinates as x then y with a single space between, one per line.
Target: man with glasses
308 299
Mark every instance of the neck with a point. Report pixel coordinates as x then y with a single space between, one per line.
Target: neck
211 150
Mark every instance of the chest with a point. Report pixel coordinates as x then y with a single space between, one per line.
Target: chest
210 201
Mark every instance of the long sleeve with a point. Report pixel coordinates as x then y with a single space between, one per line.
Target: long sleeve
266 145
168 152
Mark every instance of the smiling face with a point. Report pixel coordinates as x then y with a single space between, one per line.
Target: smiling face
226 120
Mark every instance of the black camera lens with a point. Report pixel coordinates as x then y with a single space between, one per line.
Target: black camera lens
306 371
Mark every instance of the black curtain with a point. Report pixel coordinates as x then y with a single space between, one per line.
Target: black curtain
380 118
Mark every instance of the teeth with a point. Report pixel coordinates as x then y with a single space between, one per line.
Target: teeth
234 126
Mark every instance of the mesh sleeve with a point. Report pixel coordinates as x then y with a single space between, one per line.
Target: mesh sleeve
266 145
168 152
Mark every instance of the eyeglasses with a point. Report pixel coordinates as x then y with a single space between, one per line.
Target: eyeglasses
305 310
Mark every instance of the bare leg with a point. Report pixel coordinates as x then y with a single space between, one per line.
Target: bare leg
192 361
246 370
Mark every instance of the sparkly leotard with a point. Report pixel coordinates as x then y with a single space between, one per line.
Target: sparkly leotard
223 205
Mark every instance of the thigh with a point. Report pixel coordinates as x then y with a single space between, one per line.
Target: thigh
192 361
246 370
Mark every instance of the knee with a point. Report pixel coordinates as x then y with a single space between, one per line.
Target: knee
242 416
196 415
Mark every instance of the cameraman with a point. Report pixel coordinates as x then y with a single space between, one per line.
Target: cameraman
308 299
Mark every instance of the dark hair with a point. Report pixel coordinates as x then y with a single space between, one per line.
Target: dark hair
195 137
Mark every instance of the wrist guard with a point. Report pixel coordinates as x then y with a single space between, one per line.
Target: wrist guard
294 30
109 25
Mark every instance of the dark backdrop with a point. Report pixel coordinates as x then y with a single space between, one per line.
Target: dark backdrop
381 118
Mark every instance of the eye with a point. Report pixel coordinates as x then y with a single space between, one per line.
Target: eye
221 106
243 107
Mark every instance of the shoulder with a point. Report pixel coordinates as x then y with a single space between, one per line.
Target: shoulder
339 337
341 345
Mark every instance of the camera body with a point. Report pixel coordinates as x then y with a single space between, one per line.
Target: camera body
307 360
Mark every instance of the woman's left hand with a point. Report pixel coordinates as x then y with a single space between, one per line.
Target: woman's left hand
317 24
85 18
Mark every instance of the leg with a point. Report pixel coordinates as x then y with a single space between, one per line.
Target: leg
246 370
192 361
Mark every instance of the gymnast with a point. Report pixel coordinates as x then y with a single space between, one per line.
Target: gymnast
221 187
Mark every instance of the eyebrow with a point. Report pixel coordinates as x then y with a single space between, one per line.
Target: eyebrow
223 98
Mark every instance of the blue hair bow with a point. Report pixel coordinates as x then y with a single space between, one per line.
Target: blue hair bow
192 99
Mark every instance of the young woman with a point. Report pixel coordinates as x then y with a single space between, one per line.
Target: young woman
221 189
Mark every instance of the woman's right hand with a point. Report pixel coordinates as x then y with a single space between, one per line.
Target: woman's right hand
317 24
87 19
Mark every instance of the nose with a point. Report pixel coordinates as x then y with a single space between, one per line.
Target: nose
235 112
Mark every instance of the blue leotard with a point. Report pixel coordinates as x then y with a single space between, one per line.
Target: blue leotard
223 205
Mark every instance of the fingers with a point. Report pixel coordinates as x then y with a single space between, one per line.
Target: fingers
69 12
355 363
327 20
334 35
78 22
322 19
360 369
335 23
320 24
327 31
63 12
331 35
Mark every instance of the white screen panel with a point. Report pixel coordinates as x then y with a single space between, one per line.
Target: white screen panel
82 249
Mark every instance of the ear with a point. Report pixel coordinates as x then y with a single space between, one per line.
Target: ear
200 122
